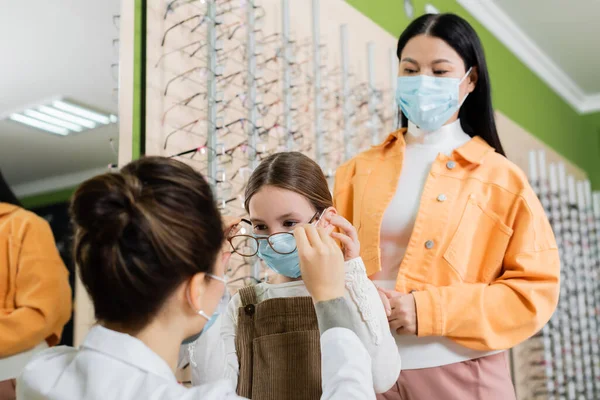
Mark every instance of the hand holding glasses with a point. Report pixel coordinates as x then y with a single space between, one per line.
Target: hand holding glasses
281 242
317 248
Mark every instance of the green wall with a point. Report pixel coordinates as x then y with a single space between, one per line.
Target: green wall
517 92
139 84
48 198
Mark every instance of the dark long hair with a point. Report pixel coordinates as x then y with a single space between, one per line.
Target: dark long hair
7 195
476 114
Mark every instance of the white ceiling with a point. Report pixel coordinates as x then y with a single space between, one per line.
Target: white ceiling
556 39
51 48
567 31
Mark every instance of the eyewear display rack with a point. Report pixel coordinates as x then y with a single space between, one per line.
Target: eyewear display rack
562 361
229 82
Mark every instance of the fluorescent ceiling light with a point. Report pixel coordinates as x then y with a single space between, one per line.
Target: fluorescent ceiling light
68 117
81 112
54 121
61 116
39 124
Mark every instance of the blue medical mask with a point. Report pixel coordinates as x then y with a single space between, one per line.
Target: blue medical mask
428 101
215 315
283 264
285 261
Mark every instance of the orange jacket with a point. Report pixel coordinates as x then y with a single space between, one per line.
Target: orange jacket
35 296
482 259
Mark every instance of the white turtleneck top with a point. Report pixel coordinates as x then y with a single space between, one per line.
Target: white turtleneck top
422 148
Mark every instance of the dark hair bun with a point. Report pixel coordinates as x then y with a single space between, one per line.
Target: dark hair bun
140 233
104 206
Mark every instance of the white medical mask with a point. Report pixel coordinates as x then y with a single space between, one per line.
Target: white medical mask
428 101
221 308
211 318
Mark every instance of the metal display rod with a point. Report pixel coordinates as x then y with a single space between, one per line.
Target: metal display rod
318 103
251 126
212 91
251 99
539 182
561 324
550 334
374 126
568 286
346 107
287 74
579 324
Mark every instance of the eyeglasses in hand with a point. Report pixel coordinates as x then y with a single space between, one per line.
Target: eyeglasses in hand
280 242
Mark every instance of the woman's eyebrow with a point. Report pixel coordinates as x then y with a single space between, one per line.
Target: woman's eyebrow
410 60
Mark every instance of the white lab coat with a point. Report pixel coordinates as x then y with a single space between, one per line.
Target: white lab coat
115 366
208 354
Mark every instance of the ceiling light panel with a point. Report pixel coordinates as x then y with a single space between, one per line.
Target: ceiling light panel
39 124
62 117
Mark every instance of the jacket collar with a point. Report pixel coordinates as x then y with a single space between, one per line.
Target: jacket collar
6 208
127 349
474 151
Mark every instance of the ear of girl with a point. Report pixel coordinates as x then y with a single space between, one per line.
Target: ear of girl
325 220
342 231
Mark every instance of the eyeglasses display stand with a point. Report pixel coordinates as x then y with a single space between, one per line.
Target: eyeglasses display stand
563 360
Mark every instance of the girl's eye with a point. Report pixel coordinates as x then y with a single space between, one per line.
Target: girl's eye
440 72
290 224
260 228
410 71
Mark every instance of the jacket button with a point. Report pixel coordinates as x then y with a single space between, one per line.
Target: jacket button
249 309
429 244
442 198
450 164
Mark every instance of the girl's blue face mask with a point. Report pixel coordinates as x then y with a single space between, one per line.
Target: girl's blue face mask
283 264
428 101
280 253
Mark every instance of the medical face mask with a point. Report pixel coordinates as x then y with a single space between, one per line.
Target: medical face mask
280 253
283 264
429 101
215 315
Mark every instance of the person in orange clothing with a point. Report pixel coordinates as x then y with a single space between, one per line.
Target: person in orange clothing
35 296
450 230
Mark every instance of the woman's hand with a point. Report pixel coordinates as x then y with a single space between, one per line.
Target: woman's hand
321 263
231 225
347 236
403 316
385 301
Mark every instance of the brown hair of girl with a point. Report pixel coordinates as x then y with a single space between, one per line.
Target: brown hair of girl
291 171
140 233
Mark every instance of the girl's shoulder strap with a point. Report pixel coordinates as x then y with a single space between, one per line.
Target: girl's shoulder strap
248 296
